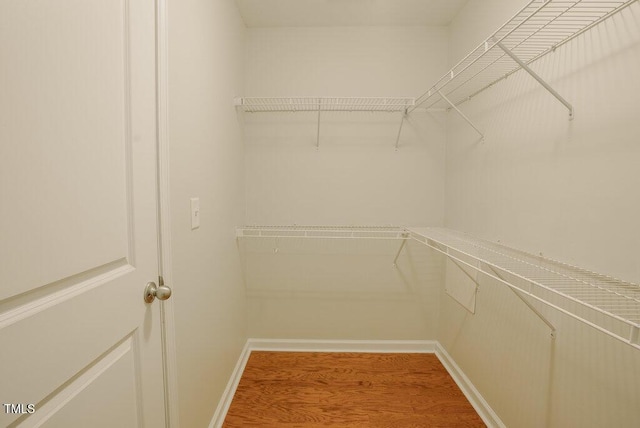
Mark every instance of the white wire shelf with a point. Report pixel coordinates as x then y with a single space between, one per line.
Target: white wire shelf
325 232
538 28
295 104
607 304
327 104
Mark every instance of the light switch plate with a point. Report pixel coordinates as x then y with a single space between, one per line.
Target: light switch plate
195 213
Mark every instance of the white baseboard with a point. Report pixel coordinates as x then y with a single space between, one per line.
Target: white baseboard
383 346
230 390
481 406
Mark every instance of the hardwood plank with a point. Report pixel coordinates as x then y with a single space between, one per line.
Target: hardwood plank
326 389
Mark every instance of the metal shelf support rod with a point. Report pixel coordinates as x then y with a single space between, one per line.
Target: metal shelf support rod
526 302
455 262
453 106
540 80
402 118
395 261
474 280
318 131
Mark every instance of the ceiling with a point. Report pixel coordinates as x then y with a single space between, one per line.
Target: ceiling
336 13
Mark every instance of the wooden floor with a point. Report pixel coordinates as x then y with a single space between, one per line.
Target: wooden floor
314 389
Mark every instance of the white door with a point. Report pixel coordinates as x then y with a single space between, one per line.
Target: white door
78 225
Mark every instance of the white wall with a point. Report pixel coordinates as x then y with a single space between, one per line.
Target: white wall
341 289
206 54
356 177
565 188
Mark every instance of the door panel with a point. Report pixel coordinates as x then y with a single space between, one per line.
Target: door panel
65 109
78 219
109 381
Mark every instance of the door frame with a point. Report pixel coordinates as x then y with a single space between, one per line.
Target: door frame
169 359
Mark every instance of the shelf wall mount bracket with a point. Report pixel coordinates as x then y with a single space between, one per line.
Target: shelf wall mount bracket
395 260
527 303
458 263
634 337
318 131
533 74
468 275
402 119
453 106
405 236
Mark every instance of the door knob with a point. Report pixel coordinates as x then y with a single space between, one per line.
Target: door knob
151 291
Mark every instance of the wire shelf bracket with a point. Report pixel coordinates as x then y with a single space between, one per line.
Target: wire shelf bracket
402 119
527 303
453 106
635 336
464 271
318 133
540 80
395 260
